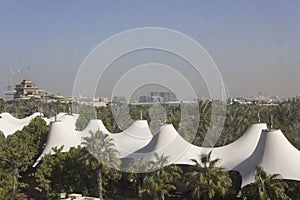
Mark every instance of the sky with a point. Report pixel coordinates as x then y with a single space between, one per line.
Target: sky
255 44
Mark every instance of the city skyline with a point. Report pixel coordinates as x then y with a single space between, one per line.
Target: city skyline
254 45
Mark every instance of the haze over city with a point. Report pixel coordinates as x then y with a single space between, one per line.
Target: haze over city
255 44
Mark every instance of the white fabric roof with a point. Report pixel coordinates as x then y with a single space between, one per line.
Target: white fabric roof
93 125
275 154
9 124
170 143
62 133
135 137
167 142
233 154
256 147
52 119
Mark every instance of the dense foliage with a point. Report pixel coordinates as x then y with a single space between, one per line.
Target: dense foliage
207 179
18 152
266 186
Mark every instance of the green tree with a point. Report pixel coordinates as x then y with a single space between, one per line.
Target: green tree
109 119
163 180
207 178
17 158
66 172
204 122
138 172
101 152
35 135
86 114
2 105
20 150
293 189
266 186
5 182
5 175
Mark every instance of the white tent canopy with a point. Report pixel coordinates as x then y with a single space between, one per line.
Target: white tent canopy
54 118
62 133
233 154
93 125
9 124
166 142
256 147
275 154
169 143
135 137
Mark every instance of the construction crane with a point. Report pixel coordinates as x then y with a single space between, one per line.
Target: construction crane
24 73
9 91
11 76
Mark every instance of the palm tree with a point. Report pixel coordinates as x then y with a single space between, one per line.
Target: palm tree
102 153
267 186
161 181
138 169
208 179
204 122
4 194
159 161
5 183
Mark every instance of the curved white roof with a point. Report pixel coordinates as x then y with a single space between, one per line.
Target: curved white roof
69 120
275 154
9 124
93 125
62 133
234 153
256 147
166 142
170 143
52 119
231 154
133 138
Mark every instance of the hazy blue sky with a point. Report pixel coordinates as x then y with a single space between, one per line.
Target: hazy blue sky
255 44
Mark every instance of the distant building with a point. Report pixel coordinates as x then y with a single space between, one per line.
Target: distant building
167 96
119 100
95 99
26 89
104 100
262 100
144 99
158 97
